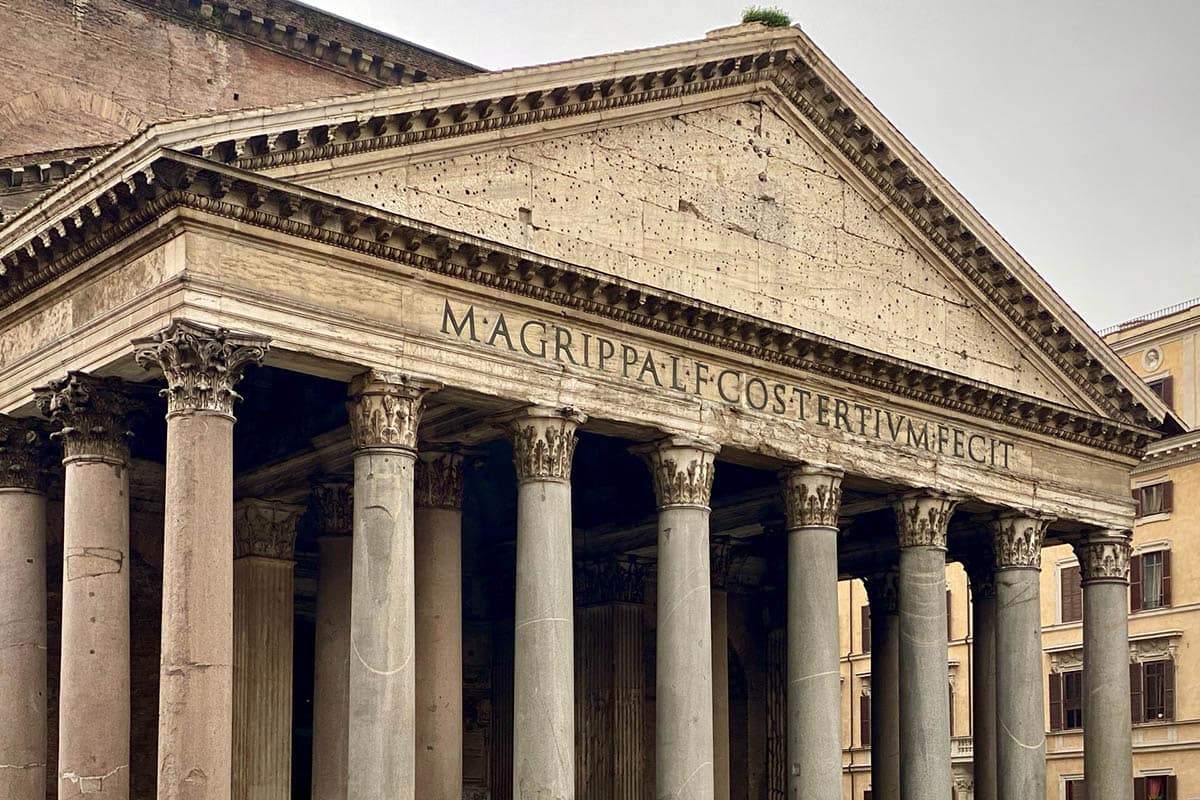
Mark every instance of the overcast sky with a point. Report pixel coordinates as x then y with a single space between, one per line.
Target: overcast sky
1070 124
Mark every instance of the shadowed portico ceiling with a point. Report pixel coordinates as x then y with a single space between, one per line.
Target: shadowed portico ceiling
114 196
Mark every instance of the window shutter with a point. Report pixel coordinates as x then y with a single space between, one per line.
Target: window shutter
866 629
1168 391
949 617
1170 787
1135 693
1070 790
1056 704
1072 594
1168 492
864 717
1166 577
1135 583
1137 502
950 692
1139 789
1168 680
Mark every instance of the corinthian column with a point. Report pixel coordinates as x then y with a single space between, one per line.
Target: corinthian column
544 692
1020 710
385 412
1107 735
922 520
982 572
812 497
883 593
682 469
24 459
195 719
333 501
264 549
439 492
94 676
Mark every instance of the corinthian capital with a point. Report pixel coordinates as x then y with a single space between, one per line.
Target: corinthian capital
333 501
1104 557
981 572
883 591
922 518
265 528
682 469
201 365
543 442
438 482
385 409
25 454
812 496
1017 540
92 415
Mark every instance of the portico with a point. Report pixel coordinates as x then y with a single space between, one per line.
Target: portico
504 465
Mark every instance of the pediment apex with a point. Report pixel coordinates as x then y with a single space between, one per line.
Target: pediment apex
781 62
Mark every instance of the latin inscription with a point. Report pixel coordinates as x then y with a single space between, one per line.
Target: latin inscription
552 342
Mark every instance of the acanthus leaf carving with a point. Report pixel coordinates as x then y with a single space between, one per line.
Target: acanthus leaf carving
923 518
1104 558
883 591
92 414
202 364
26 454
1017 540
385 409
543 442
333 501
812 496
265 528
682 469
438 481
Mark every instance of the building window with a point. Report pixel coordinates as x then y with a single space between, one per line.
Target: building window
1157 498
1154 787
864 716
1152 691
1071 590
1066 701
1150 580
866 794
866 629
1075 790
1164 388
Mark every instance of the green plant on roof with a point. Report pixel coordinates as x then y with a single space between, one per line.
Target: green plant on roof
771 16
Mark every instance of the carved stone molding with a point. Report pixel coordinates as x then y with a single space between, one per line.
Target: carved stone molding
265 528
1104 558
1155 648
981 572
26 454
1017 540
611 580
812 496
385 409
543 442
439 479
92 415
922 518
883 591
333 501
202 364
1066 660
682 469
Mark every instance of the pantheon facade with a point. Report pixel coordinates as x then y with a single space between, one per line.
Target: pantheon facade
506 436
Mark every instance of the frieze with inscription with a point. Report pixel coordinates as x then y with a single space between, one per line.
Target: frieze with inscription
571 347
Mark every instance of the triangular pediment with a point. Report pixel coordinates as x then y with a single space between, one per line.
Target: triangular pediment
743 170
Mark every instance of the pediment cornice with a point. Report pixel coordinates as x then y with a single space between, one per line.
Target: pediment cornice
179 180
785 65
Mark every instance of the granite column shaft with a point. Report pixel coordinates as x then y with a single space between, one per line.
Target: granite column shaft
983 677
883 592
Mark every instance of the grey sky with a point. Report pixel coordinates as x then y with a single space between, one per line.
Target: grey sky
1068 123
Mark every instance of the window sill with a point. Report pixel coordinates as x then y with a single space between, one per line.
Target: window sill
1161 516
1140 611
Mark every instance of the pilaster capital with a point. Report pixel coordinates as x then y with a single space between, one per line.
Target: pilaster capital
92 414
720 561
883 591
1017 540
438 481
385 409
923 518
26 454
611 580
333 501
1104 557
812 495
265 528
202 364
682 468
543 441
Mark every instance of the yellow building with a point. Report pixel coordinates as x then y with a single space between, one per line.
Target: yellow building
1163 348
